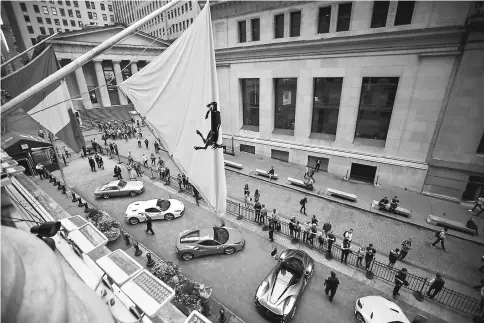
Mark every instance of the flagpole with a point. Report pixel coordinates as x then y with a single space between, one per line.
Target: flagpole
51 137
28 49
85 58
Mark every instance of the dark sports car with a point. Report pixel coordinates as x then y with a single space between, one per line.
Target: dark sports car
277 296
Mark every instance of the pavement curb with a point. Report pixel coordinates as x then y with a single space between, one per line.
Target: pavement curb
400 219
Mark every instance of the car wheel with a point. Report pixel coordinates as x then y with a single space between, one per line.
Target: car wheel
106 196
133 194
169 216
229 250
133 221
187 256
359 318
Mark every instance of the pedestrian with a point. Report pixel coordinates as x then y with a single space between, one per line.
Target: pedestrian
348 235
139 142
406 246
307 232
382 205
297 230
93 145
161 162
263 214
130 158
157 146
137 168
393 257
331 284
303 202
179 179
440 238
436 285
257 209
345 250
66 151
196 194
92 164
246 189
271 231
145 160
149 228
314 220
393 204
153 159
130 172
479 204
96 158
360 254
146 143
318 164
256 195
291 227
331 239
116 148
369 255
64 159
84 152
400 280
472 225
271 173
321 240
246 200
40 170
184 181
327 228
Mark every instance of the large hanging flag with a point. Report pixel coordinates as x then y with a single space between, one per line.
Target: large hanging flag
42 107
178 94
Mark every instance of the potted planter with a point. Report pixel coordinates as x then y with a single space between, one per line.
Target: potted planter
105 223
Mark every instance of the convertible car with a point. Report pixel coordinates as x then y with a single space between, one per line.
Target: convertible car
119 188
277 296
157 209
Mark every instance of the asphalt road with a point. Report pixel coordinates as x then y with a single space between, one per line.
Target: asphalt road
234 278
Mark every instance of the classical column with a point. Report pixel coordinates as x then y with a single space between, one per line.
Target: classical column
119 80
134 67
101 81
81 84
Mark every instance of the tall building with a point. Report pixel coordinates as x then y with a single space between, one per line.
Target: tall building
8 43
30 19
168 25
385 92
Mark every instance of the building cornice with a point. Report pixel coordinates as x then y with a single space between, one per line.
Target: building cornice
78 43
230 9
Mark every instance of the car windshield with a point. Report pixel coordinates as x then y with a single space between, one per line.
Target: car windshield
221 235
293 265
190 237
121 184
163 204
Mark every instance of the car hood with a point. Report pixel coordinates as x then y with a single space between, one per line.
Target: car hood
136 207
384 309
235 236
176 205
134 185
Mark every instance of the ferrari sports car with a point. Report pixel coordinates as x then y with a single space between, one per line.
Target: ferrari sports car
119 188
197 243
277 296
376 309
157 209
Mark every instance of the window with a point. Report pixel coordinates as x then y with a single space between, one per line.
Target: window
324 20
376 106
88 5
190 5
36 8
285 103
344 17
183 25
42 30
250 101
89 14
112 18
51 31
103 7
30 29
62 12
27 18
39 20
404 13
255 29
326 101
70 13
76 4
94 15
23 6
209 243
48 21
59 30
57 21
54 11
78 14
191 20
45 10
480 148
59 2
279 26
68 3
80 24
110 7
92 5
105 17
73 23
242 31
280 155
364 173
33 40
247 148
295 20
380 13
64 21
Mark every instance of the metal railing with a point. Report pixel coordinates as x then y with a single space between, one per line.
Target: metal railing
458 301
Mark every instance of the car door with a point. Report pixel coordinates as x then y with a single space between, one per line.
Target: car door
113 191
209 247
153 212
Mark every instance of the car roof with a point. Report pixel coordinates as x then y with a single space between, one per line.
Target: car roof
113 183
383 310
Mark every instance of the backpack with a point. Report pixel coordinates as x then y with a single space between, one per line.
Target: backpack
301 202
437 234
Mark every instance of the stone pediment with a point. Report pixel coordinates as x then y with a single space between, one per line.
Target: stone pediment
97 35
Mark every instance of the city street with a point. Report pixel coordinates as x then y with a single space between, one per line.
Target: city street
234 278
459 268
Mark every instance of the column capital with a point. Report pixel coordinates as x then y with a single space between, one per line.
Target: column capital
98 60
118 61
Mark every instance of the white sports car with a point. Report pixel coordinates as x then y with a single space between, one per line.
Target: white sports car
156 209
376 309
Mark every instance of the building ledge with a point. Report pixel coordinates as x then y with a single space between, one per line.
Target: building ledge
284 132
369 142
250 128
322 136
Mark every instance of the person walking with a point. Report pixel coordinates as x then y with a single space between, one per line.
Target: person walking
440 238
345 250
479 204
149 227
360 254
318 164
157 146
393 257
369 255
96 159
436 285
393 204
263 214
271 231
331 284
146 143
331 239
400 280
137 168
153 159
257 209
303 203
130 158
139 142
145 160
406 246
92 164
161 162
481 305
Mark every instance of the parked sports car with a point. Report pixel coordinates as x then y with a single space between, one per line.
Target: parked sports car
197 243
278 294
119 188
376 309
157 209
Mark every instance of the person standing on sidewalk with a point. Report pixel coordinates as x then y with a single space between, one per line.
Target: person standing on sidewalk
479 204
256 195
137 168
130 172
436 285
314 220
400 280
66 151
345 250
145 160
149 228
393 257
291 227
440 238
257 209
179 180
246 189
303 203
331 284
92 164
139 142
153 159
369 255
331 239
271 231
318 164
196 194
130 158
348 235
360 254
327 228
406 246
146 143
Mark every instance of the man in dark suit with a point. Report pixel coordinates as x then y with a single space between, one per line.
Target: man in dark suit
148 225
331 284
